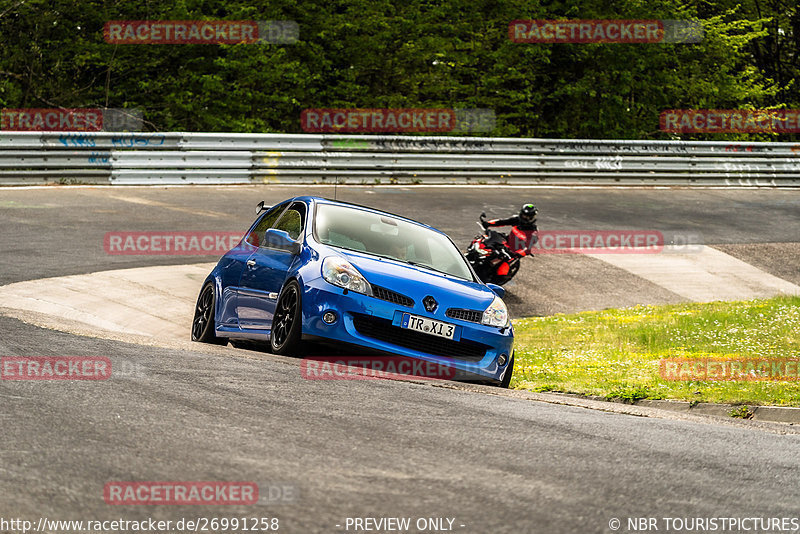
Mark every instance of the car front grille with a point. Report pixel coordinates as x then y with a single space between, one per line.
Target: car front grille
391 296
473 316
383 330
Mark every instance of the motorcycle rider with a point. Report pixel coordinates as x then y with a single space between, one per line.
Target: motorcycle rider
523 228
526 220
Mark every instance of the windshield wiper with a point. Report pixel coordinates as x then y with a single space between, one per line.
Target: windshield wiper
431 267
426 266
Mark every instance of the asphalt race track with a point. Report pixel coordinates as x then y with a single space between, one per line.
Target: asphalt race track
333 450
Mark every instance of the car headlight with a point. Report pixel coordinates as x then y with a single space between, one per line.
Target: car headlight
496 314
340 272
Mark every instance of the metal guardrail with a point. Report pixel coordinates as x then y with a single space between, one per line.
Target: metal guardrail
193 158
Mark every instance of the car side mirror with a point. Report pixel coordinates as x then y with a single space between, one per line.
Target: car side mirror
281 240
498 290
261 207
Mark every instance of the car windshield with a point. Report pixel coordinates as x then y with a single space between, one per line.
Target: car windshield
389 237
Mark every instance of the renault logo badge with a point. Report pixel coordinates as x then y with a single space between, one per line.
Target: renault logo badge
430 304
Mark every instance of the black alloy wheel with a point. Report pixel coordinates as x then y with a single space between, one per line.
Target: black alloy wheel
203 322
286 328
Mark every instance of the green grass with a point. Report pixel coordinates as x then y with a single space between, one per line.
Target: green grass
616 353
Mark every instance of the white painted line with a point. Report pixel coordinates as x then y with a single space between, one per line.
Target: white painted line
702 276
146 301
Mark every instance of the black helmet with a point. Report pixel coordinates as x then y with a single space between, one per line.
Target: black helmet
528 213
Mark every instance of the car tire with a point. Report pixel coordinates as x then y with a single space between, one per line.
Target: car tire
287 328
509 371
203 322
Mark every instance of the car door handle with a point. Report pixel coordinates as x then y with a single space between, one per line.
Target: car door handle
250 263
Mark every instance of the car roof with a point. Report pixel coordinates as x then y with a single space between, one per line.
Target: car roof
323 200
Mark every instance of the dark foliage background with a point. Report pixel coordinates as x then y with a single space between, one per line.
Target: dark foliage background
377 53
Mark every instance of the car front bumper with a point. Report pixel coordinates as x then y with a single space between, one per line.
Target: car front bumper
374 325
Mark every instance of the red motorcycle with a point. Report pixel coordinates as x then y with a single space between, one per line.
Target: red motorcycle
494 260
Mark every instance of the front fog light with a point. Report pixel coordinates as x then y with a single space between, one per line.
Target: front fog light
502 360
329 317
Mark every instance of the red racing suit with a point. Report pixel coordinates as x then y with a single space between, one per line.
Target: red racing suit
522 236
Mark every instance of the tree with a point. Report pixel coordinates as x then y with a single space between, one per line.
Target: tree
381 53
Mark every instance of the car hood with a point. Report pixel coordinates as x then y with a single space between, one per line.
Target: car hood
417 282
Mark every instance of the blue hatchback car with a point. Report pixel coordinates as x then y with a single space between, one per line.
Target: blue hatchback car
316 269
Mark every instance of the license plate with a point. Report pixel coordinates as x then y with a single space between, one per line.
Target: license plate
428 326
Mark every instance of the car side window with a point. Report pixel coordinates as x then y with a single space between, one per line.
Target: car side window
292 221
256 236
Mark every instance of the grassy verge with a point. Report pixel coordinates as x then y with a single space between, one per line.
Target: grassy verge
616 353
